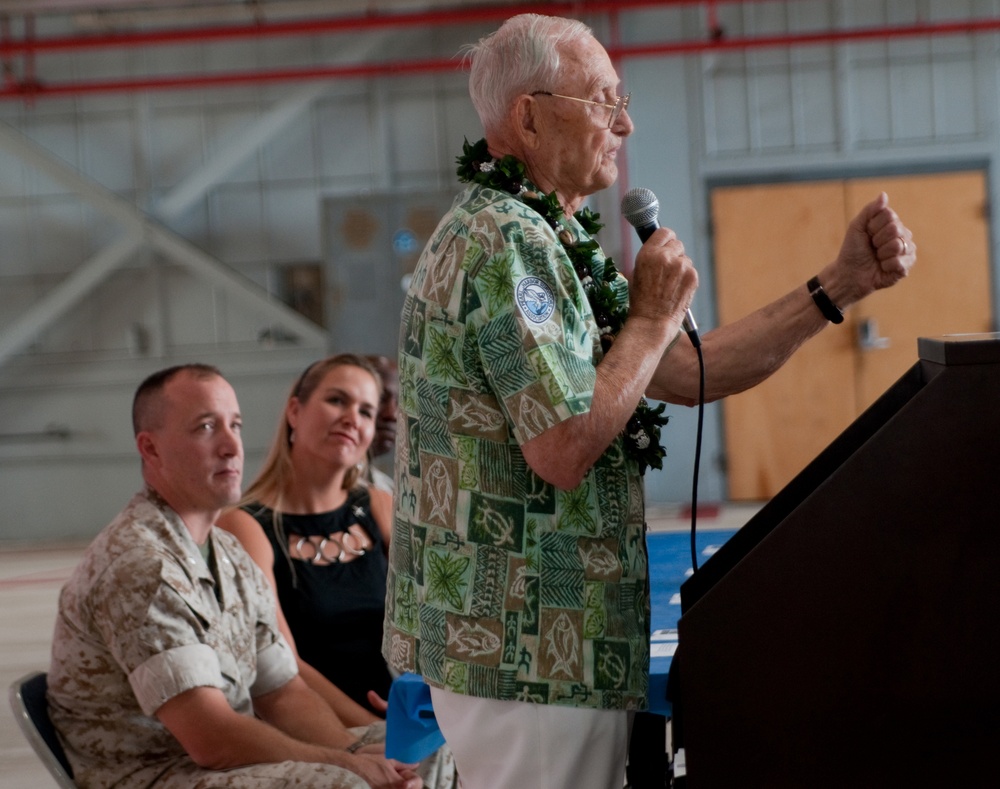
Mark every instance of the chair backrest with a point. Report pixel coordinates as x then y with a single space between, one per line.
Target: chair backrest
27 700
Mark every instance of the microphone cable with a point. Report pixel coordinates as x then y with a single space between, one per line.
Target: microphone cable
697 457
641 209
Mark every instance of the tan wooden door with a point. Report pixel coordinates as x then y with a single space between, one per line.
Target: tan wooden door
770 238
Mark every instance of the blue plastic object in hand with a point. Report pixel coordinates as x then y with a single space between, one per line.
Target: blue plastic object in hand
412 732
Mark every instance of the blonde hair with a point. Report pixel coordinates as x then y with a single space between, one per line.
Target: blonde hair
274 478
521 56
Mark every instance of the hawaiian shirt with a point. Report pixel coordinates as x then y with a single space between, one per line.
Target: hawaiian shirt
142 619
500 585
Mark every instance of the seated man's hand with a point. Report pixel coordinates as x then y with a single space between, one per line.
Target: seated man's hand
382 773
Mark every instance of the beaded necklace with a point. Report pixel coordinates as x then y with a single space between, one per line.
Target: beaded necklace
641 436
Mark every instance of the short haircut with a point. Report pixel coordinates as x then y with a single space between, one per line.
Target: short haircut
521 56
145 404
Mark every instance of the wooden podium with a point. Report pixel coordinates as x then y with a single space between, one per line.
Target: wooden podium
849 634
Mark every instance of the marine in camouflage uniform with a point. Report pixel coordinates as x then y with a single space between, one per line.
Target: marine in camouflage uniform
500 585
143 619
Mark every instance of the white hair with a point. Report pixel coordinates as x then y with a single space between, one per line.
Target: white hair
521 56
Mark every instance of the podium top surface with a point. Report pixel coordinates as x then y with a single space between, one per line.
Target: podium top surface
950 349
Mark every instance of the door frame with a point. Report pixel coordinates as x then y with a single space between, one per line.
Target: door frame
980 165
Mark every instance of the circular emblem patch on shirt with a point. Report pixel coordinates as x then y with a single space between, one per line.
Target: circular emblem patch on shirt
535 299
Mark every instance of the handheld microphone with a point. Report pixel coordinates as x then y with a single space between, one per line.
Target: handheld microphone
641 209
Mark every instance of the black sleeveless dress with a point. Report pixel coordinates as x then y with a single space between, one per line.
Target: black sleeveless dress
334 611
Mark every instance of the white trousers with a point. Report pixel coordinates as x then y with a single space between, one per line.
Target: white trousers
518 745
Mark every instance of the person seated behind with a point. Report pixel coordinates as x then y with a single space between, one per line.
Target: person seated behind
168 668
320 534
382 456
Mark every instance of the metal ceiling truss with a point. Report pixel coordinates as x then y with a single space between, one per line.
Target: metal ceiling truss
142 230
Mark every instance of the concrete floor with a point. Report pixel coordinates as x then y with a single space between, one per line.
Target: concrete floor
31 576
30 579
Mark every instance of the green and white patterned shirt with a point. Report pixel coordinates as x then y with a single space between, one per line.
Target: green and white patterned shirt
501 586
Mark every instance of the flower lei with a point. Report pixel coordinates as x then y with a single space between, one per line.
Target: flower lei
642 432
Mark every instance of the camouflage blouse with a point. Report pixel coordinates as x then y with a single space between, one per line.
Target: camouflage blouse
143 619
501 586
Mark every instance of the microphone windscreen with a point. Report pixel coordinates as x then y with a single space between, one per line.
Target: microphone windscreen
640 207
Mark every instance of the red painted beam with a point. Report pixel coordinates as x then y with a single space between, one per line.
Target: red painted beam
28 87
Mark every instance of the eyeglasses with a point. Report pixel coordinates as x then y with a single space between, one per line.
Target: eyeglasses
621 103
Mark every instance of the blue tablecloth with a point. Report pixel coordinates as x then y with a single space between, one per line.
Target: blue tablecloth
669 566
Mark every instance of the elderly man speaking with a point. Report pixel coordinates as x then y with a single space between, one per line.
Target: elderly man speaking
518 574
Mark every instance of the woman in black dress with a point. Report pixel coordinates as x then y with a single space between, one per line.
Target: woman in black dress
320 533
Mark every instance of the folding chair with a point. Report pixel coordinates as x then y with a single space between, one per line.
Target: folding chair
27 700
